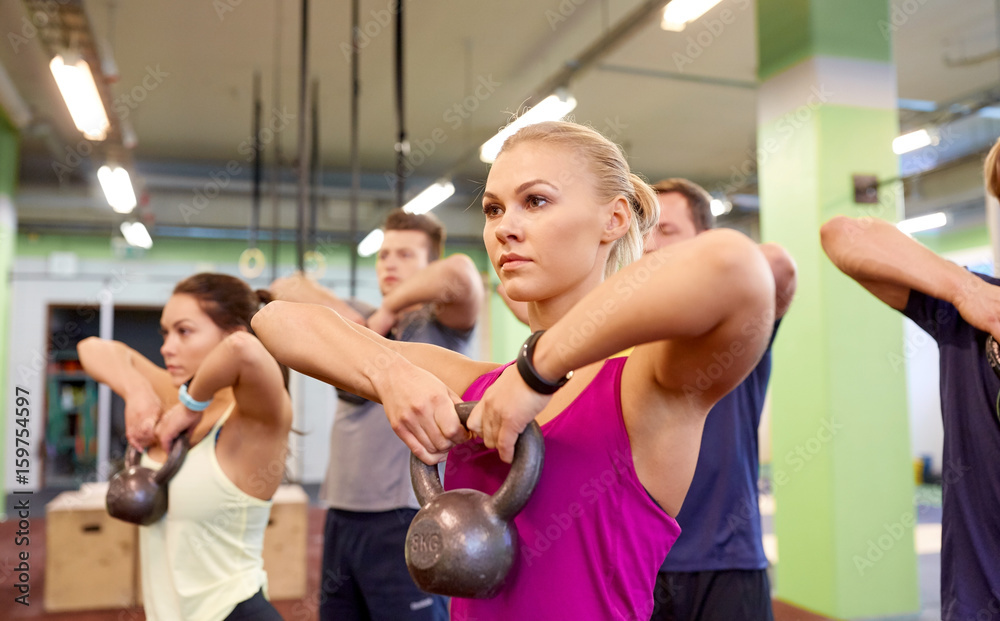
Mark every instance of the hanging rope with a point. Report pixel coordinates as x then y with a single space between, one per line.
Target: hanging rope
300 237
355 158
257 162
252 260
402 148
276 169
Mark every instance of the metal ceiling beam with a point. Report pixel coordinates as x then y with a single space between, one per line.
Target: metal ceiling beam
13 105
621 32
679 77
572 68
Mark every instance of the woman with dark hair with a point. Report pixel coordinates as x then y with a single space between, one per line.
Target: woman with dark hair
203 560
564 220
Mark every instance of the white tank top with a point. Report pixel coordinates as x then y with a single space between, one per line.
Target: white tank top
204 557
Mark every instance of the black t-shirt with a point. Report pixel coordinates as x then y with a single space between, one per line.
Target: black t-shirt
970 547
720 519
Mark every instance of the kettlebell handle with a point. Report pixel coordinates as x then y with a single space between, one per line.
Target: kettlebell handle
513 494
178 451
175 459
993 354
132 456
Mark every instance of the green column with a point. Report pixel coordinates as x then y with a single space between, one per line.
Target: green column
841 463
506 332
8 236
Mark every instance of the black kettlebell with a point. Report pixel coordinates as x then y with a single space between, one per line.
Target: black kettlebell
462 543
138 494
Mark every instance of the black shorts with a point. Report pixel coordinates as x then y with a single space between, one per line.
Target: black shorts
364 575
727 595
257 608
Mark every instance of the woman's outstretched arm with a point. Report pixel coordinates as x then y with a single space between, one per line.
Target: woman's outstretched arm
145 387
681 306
298 287
417 383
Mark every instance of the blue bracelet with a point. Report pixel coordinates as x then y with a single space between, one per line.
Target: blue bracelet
189 402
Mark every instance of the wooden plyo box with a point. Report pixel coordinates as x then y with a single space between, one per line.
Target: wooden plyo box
89 555
285 544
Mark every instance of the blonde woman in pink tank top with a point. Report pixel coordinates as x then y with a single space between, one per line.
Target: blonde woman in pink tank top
564 220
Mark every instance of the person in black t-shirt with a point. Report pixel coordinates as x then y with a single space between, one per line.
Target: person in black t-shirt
959 309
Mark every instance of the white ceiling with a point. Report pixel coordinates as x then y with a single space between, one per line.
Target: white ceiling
692 119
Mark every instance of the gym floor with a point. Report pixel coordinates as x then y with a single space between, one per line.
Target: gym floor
928 538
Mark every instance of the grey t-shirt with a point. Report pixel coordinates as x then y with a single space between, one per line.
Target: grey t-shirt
369 466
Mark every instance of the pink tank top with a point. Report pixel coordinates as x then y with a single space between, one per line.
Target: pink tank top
591 539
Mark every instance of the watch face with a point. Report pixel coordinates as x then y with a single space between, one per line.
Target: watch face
993 354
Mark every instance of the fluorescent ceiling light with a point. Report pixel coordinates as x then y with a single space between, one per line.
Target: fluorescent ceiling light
552 108
136 235
918 105
720 207
117 188
989 112
371 243
923 223
679 13
129 138
76 83
430 198
911 141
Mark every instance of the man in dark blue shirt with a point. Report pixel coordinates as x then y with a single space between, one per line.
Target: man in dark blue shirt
717 569
959 309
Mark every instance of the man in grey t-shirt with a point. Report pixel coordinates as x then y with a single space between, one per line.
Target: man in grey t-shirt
367 486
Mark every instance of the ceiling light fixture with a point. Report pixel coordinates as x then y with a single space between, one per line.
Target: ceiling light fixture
430 198
136 235
989 112
679 13
720 207
552 108
371 243
76 83
912 141
923 223
117 188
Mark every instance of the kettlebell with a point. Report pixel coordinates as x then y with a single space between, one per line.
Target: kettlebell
138 494
462 543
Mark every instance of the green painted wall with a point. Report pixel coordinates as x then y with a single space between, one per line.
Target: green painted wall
9 156
841 461
942 243
791 31
505 334
199 250
8 182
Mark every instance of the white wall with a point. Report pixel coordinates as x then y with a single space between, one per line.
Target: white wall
923 394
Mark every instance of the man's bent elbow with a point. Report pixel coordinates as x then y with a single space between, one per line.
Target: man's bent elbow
263 320
464 276
835 234
746 266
